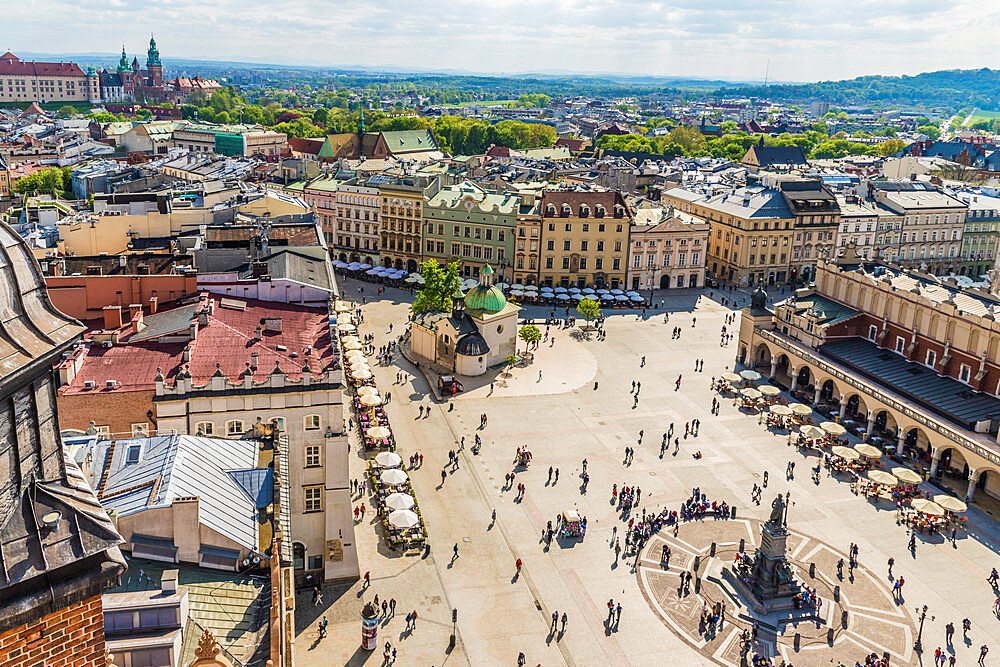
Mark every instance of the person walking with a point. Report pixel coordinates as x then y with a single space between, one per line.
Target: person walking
890 563
455 552
317 596
983 650
949 633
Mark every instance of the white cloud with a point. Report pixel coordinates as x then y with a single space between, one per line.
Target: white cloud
802 39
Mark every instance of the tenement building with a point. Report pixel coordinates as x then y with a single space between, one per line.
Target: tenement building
213 366
908 360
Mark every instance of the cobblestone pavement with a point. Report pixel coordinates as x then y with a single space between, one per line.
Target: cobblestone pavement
500 614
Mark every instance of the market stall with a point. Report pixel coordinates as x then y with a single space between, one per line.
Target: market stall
572 525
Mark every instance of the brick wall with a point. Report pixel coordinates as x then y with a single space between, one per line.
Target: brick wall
70 637
115 409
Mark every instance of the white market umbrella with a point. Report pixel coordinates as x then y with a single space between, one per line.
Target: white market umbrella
950 503
368 390
770 390
750 393
800 410
730 377
393 476
882 477
352 345
833 428
386 459
811 432
750 375
346 327
780 410
868 451
370 400
404 519
399 501
846 453
363 374
927 507
343 307
906 475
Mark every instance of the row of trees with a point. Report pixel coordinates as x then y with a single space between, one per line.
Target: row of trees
690 142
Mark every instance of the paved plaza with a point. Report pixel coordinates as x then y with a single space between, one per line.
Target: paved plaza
564 419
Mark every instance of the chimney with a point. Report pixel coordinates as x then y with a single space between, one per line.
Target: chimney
253 358
112 317
168 582
135 310
153 302
258 333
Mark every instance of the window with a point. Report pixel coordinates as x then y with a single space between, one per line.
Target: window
234 427
872 332
651 261
117 621
963 373
583 246
681 258
204 428
279 422
616 264
635 261
900 344
548 262
583 263
565 263
312 456
150 657
313 498
569 226
598 264
104 430
315 562
600 246
158 618
566 245
132 454
931 358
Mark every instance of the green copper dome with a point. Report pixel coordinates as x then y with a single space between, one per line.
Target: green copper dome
486 298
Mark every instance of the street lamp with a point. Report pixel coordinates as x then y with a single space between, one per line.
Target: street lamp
917 646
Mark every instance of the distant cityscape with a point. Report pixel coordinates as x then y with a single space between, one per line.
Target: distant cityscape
227 288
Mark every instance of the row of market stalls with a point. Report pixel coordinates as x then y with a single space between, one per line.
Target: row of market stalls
862 463
390 484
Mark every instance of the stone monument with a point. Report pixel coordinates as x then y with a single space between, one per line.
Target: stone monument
767 579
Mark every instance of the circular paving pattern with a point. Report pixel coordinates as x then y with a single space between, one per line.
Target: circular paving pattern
874 622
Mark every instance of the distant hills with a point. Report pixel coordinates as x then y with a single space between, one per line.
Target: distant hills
953 88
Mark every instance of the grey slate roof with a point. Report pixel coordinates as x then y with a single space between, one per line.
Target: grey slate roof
828 311
165 322
182 465
944 396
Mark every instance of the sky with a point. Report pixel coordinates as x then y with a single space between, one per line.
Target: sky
792 40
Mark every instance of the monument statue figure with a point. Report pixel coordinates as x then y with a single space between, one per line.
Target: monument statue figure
778 512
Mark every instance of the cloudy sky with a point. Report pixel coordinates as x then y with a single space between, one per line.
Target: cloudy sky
733 39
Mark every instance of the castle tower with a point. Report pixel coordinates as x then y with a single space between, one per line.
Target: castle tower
93 86
153 65
123 65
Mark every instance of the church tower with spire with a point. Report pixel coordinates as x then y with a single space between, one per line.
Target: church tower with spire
153 66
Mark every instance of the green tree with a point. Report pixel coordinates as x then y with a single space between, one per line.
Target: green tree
530 334
320 115
589 309
891 147
440 284
932 131
67 111
47 181
188 111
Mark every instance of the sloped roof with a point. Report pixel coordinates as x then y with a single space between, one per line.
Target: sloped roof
775 155
173 466
409 141
827 311
11 65
30 326
942 395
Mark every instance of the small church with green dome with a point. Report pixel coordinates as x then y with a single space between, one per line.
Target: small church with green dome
478 333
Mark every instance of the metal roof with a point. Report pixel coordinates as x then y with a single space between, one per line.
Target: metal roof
945 396
172 466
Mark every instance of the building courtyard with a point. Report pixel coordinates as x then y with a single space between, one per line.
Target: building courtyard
575 402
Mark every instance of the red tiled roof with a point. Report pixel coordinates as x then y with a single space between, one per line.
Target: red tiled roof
11 64
227 339
306 145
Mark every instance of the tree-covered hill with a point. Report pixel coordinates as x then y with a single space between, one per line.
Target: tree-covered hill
954 88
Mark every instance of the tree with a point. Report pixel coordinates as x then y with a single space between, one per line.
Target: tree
530 334
48 181
439 285
891 147
588 309
67 111
932 131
